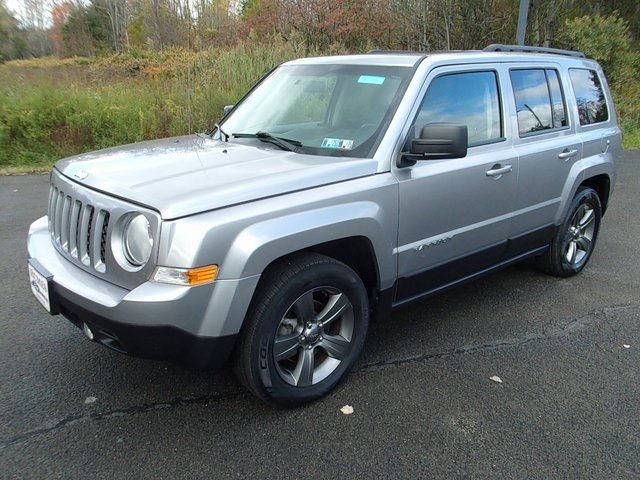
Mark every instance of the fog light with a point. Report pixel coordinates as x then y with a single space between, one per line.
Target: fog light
185 276
87 331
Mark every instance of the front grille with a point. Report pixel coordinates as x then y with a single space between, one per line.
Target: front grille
83 222
78 228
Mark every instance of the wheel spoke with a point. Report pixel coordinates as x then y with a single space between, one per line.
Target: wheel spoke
303 308
586 218
336 346
572 250
285 346
303 373
584 243
336 306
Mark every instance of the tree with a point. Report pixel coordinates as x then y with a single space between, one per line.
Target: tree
59 16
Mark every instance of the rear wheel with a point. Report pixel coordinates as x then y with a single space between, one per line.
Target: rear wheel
305 329
575 240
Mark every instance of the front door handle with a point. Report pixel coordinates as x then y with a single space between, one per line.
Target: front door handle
498 170
567 154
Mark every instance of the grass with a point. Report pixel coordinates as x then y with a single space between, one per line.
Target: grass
53 108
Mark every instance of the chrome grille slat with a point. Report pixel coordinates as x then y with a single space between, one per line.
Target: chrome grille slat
74 220
52 191
57 218
64 222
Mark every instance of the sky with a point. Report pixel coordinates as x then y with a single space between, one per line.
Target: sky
17 6
14 5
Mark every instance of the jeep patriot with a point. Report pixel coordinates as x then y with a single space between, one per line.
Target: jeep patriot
338 189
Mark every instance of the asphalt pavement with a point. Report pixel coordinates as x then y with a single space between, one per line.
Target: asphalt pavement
424 404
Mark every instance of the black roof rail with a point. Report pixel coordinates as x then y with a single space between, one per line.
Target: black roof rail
497 47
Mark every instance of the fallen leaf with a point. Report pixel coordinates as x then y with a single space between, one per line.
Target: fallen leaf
496 379
347 409
626 346
89 400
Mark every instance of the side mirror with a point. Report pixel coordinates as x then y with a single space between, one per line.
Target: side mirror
437 141
226 110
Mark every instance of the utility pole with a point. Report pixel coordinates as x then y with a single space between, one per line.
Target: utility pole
522 21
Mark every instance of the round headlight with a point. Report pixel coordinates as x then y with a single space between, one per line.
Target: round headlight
138 240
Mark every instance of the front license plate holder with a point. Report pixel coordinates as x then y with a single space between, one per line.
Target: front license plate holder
41 282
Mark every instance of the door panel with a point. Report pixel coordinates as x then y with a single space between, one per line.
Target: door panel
450 209
546 144
544 169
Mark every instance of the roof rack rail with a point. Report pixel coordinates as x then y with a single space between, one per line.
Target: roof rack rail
498 47
395 52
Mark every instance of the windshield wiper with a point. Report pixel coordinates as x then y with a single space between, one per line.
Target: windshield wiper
283 143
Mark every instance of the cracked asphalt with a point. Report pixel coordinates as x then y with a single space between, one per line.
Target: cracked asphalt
568 407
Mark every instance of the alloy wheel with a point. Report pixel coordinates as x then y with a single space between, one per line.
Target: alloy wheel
579 236
314 336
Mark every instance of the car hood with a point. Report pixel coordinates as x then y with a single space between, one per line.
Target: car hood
185 175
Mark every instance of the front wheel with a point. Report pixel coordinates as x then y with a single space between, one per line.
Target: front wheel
304 331
575 240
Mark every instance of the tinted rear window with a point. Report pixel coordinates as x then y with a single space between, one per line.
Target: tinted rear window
533 103
592 105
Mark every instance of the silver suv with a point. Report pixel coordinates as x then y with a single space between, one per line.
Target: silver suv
338 188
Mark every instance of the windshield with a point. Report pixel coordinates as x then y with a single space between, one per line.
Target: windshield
339 110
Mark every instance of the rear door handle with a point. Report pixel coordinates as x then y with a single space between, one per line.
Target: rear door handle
566 154
498 170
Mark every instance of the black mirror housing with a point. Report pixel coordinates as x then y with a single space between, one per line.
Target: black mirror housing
439 141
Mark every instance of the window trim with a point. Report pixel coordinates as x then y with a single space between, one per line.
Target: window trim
604 95
501 111
563 97
566 110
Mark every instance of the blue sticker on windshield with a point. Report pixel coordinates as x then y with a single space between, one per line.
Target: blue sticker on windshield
371 79
337 143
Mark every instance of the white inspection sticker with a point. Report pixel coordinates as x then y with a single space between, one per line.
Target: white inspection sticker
337 143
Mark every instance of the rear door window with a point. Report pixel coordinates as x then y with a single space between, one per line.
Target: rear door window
539 100
592 105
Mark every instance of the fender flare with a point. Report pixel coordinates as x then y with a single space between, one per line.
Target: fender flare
581 171
259 244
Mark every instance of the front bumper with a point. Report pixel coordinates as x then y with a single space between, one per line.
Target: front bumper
194 326
160 343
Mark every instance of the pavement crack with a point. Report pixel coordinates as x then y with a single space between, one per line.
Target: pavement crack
132 410
557 331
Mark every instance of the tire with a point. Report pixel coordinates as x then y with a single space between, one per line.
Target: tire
563 260
309 310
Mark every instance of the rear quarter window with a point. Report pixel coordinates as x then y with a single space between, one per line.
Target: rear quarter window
592 104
